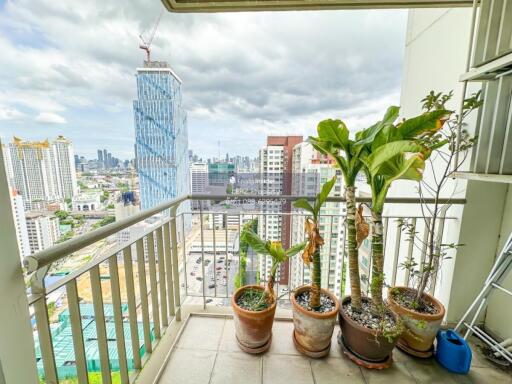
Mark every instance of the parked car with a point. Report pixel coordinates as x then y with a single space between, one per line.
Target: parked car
199 278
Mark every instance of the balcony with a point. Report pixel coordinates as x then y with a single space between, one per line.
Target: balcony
155 309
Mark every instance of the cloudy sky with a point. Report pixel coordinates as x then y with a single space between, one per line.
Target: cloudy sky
68 68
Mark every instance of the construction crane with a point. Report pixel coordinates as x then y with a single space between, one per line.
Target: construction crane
146 44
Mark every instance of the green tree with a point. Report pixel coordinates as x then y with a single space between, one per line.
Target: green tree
315 241
333 140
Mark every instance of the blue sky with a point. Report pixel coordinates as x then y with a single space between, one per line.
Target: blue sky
68 68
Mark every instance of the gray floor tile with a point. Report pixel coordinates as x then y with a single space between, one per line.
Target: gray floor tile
202 333
484 376
188 366
396 374
286 369
228 340
282 339
335 371
236 368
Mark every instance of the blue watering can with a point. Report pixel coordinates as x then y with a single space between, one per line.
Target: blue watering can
453 352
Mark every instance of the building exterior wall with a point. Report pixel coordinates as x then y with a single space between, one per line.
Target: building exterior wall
65 168
18 212
43 231
310 171
161 139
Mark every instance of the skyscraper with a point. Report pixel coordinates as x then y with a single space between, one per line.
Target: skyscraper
276 174
63 157
161 140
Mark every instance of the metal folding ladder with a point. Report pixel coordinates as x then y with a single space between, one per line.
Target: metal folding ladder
499 271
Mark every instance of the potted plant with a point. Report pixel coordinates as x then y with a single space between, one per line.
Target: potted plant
314 308
384 152
254 306
421 312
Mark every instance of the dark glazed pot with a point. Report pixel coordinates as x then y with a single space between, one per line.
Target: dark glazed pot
313 330
253 328
363 342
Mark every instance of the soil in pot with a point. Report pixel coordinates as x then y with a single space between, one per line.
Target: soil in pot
253 317
421 320
367 337
326 303
313 328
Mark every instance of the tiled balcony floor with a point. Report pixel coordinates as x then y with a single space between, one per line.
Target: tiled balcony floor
207 353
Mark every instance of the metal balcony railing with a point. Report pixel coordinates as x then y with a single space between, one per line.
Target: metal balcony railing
117 306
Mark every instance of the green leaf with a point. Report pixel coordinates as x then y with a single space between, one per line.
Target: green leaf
368 135
303 204
326 148
276 251
428 122
323 195
388 152
296 249
334 131
255 242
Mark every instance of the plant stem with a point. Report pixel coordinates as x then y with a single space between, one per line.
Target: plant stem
315 280
378 263
353 254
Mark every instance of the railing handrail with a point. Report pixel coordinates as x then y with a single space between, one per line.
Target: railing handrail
52 254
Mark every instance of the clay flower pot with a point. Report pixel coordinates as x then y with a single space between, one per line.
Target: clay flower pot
313 330
253 328
367 345
421 328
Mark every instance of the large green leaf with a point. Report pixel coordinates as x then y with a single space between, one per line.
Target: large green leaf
326 148
368 135
296 249
323 195
428 122
303 204
254 241
334 131
388 151
276 251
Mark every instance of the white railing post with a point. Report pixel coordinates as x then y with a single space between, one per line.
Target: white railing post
17 353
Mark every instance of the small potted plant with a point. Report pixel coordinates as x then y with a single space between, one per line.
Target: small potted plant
254 306
421 312
314 309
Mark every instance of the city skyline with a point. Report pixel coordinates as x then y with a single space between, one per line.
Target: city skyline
245 77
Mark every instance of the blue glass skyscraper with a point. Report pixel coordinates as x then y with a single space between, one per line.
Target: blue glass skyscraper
161 139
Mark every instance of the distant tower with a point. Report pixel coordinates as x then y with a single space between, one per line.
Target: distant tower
161 139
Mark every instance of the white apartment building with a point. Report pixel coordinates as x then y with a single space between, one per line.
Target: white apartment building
271 165
41 171
43 230
18 213
310 171
63 157
198 181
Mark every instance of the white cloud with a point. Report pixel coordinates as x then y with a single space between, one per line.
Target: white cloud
50 118
8 113
264 72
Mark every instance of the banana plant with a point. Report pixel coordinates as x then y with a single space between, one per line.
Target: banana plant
275 250
311 253
333 140
392 152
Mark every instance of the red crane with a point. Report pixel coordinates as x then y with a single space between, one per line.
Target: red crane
146 44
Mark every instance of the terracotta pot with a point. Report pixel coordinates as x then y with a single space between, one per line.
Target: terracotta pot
421 328
313 330
253 328
365 343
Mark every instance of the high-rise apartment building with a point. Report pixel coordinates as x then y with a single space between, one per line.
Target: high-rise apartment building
198 181
161 140
63 157
275 165
310 171
20 225
43 230
34 175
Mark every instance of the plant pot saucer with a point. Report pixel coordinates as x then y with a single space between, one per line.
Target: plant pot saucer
255 351
359 360
412 352
313 354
